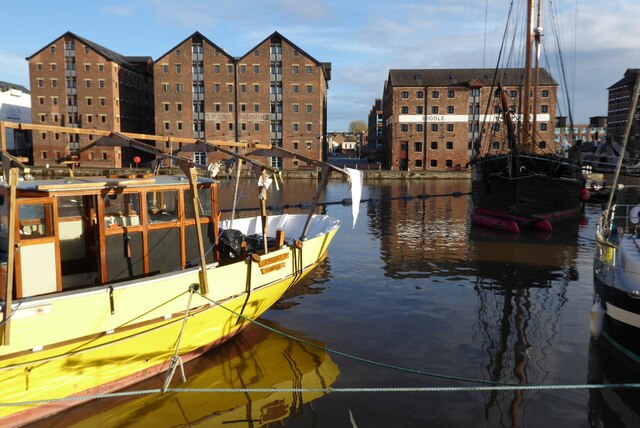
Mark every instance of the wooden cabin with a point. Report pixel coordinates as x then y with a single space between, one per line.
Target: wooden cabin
81 232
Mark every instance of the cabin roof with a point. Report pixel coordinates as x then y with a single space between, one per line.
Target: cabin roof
100 183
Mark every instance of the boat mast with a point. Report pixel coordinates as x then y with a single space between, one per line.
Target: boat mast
537 37
526 99
511 133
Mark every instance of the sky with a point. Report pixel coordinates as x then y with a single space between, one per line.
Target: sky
362 39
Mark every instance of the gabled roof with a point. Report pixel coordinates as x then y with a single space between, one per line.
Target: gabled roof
5 86
326 66
107 53
628 79
196 34
462 77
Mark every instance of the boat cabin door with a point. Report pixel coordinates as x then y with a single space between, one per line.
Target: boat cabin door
37 254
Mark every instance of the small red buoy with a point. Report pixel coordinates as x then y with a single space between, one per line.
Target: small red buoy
585 195
136 160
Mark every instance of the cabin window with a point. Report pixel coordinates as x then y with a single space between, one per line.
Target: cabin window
70 206
122 210
162 207
204 197
35 221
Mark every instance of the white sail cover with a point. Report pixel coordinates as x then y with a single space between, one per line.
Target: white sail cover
355 177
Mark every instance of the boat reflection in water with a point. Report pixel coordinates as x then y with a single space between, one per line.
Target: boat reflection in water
521 287
256 358
612 407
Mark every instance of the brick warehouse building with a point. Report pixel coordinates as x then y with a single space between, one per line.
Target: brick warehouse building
374 147
620 94
274 94
78 83
432 116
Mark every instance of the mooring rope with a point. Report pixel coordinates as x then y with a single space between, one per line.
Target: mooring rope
176 361
488 385
348 201
355 357
328 390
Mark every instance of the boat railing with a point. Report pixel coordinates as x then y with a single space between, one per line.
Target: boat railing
619 221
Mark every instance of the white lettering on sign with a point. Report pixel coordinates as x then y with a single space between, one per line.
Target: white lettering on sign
210 116
457 118
254 117
432 118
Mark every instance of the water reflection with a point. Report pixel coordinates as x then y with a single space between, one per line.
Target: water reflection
310 285
521 286
612 407
417 234
520 281
256 358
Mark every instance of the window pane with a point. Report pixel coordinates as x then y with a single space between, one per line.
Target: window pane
35 221
204 197
162 206
121 209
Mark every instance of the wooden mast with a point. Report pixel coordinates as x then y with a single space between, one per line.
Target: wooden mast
537 37
526 96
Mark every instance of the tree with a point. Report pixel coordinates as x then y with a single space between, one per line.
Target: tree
357 126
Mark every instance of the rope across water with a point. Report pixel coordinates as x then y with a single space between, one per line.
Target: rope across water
486 385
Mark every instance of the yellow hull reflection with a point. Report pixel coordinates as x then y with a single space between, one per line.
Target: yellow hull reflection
256 358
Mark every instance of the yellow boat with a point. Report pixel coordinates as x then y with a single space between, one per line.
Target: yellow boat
105 283
255 358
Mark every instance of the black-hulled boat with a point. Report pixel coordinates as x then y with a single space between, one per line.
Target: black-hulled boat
524 177
616 266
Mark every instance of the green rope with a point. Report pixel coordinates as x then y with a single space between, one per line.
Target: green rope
492 385
355 357
377 363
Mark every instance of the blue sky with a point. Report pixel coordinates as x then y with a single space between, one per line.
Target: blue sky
362 39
